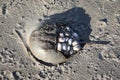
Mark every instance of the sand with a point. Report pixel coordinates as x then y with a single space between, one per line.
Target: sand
95 62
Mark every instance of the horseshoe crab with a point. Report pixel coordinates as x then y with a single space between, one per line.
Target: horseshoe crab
50 43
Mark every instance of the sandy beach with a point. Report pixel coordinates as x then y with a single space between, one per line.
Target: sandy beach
99 61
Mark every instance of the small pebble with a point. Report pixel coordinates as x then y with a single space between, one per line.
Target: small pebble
96 36
101 24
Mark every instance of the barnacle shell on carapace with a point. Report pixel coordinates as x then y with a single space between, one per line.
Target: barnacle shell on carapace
31 40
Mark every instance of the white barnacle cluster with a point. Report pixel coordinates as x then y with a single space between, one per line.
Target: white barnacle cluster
68 41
